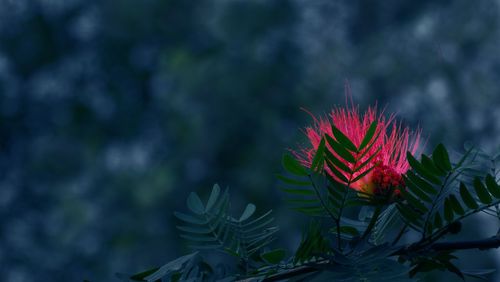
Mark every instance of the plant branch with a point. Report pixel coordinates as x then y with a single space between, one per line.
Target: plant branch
483 244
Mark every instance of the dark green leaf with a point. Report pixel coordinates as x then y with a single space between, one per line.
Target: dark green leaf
441 158
481 191
409 214
189 218
368 136
337 173
448 212
349 230
452 268
438 222
367 161
199 238
340 150
414 201
319 157
431 166
361 175
171 267
305 192
337 194
335 161
467 197
417 191
196 229
421 183
293 181
456 205
420 169
344 140
140 276
293 166
492 186
313 210
274 256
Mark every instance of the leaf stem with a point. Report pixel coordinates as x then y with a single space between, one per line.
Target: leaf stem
372 223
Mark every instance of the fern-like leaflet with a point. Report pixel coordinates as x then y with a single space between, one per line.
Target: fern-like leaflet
211 227
439 191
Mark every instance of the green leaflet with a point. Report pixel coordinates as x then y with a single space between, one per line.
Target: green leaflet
368 136
448 211
313 242
332 160
420 183
247 213
194 203
344 140
274 257
319 157
431 166
438 222
492 186
293 166
421 170
457 208
340 149
211 227
481 191
467 197
441 158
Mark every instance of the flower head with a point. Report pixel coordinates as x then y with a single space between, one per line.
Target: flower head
391 142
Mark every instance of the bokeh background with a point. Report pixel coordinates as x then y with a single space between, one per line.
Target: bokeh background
111 112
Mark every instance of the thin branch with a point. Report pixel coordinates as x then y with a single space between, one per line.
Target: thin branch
483 244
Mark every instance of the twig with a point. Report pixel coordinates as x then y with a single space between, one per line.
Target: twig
483 244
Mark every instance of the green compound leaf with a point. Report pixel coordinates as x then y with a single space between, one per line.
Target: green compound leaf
442 158
335 161
455 204
291 181
457 208
344 140
438 222
319 157
448 211
340 149
420 169
274 256
421 183
368 136
492 186
431 166
467 197
293 166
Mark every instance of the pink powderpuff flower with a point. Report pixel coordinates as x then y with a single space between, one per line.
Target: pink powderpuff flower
391 143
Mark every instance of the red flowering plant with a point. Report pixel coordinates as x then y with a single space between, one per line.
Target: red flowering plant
374 165
378 212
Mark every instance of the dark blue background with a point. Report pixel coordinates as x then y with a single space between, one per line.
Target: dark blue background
111 112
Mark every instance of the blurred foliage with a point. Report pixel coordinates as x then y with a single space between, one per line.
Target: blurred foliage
112 111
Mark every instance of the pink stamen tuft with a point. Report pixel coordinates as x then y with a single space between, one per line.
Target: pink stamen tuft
392 138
